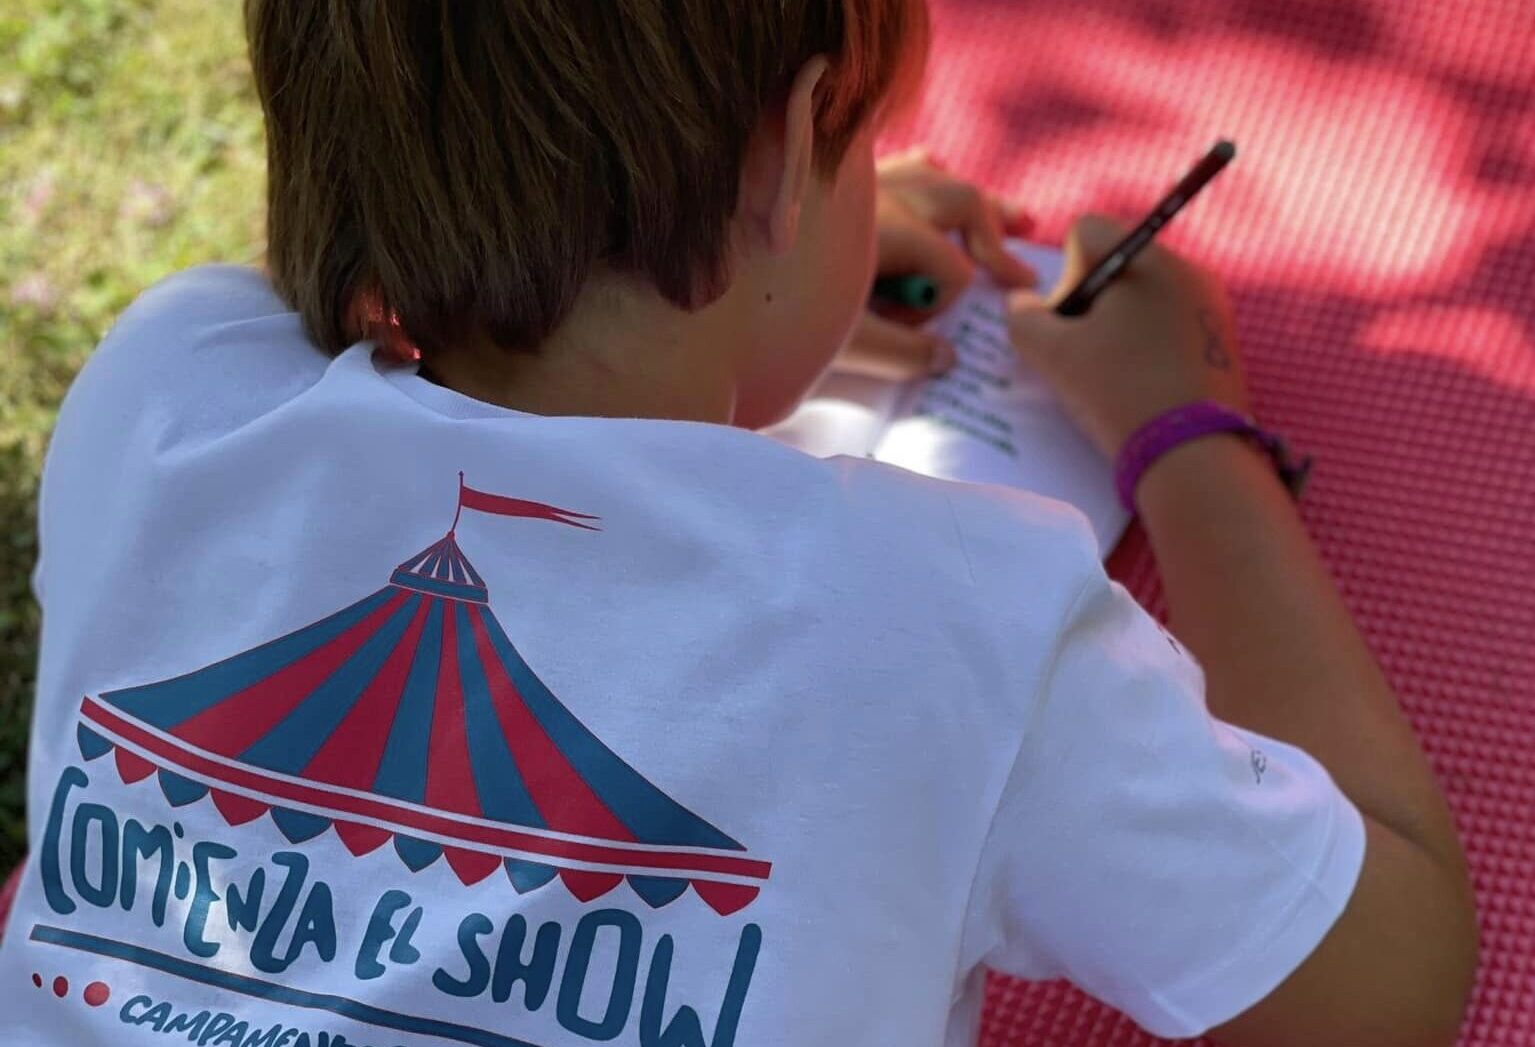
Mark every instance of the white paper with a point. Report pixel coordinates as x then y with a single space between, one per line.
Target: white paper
989 420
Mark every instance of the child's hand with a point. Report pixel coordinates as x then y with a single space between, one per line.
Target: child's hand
1158 337
919 205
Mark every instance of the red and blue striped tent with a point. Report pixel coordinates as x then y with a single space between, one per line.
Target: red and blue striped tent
411 717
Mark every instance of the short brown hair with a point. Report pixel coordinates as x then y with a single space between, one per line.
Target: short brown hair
464 164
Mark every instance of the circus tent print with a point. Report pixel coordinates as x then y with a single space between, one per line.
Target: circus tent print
409 718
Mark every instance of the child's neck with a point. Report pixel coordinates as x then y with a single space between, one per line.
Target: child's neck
622 353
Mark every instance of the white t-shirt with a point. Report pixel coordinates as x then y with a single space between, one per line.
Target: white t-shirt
642 732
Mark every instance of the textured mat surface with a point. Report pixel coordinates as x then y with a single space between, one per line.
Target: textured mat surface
1378 231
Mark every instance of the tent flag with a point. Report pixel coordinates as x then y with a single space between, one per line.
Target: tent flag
481 501
410 716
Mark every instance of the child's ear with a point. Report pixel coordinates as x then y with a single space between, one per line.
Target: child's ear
780 162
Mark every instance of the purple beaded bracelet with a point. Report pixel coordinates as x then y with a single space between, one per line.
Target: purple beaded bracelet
1189 422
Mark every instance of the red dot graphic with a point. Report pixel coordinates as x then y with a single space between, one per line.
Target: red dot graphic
97 993
61 986
37 980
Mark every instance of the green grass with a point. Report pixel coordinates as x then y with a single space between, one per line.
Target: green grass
130 147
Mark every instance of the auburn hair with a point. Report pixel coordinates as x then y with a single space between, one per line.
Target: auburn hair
460 166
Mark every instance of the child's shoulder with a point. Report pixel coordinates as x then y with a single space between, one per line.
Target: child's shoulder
207 292
1011 552
200 307
989 519
214 341
194 309
213 314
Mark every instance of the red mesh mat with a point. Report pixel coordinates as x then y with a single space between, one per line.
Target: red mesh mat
1378 233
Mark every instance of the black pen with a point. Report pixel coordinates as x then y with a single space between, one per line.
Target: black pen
1081 297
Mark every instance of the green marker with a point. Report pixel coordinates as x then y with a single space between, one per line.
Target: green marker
914 292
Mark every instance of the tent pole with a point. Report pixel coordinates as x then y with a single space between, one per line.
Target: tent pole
460 511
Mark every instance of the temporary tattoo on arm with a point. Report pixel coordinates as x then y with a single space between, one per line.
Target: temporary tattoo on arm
1215 349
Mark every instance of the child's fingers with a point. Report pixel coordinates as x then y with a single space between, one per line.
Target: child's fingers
955 205
986 240
882 348
1016 218
910 163
912 246
1034 327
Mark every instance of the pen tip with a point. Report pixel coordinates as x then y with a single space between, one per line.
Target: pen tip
1225 149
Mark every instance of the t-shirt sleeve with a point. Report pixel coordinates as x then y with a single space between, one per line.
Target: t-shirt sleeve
1169 864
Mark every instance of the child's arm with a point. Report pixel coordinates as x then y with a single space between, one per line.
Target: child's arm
1251 597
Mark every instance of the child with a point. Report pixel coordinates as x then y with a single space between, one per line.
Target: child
522 695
